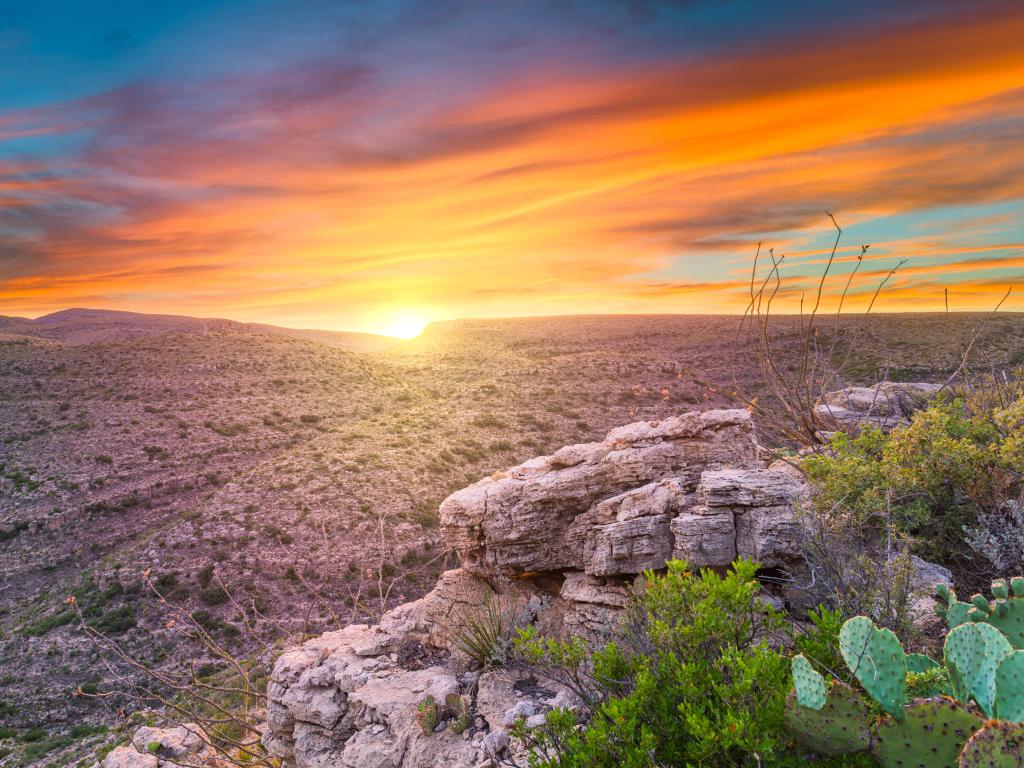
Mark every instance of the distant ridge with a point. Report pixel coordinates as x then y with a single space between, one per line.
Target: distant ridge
89 326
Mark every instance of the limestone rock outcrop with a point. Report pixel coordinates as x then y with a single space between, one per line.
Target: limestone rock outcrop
561 539
885 405
594 507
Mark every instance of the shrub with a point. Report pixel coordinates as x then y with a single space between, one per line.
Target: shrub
950 476
690 684
118 620
485 420
41 626
213 594
214 624
16 529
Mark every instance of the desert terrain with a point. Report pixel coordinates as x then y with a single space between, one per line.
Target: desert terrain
303 470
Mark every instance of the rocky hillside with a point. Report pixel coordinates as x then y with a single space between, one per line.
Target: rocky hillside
287 466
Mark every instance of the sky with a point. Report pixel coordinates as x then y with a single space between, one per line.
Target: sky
376 165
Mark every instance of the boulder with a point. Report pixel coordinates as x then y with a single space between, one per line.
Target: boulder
173 743
540 515
885 405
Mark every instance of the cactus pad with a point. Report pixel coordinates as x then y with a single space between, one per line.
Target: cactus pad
949 608
1005 613
1010 688
931 735
808 683
972 652
1000 589
1009 620
840 727
996 745
877 660
918 662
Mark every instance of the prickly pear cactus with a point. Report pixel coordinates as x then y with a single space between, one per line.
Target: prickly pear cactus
949 608
428 715
1005 612
1010 688
841 727
877 660
931 735
972 653
918 662
809 685
996 745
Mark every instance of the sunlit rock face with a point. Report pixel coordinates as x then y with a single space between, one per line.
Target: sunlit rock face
602 508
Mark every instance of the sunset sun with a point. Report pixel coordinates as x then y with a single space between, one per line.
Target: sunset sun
405 326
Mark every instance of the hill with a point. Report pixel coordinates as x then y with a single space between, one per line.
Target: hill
90 326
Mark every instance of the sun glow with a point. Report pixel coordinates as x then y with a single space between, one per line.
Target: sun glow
405 327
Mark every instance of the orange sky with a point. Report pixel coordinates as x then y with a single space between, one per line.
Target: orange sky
350 195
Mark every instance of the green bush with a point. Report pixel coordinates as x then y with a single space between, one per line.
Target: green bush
940 477
115 621
692 683
213 595
16 529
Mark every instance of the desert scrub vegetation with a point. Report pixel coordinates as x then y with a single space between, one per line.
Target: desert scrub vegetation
699 677
949 483
706 674
220 692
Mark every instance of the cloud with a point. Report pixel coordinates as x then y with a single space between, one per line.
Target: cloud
334 187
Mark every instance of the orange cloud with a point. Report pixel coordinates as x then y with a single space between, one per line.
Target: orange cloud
641 189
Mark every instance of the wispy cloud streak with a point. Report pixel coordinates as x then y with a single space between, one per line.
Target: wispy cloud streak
337 187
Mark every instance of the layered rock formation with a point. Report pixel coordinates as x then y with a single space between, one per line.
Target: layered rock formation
560 537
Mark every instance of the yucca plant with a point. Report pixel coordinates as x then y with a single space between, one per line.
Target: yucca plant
483 634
